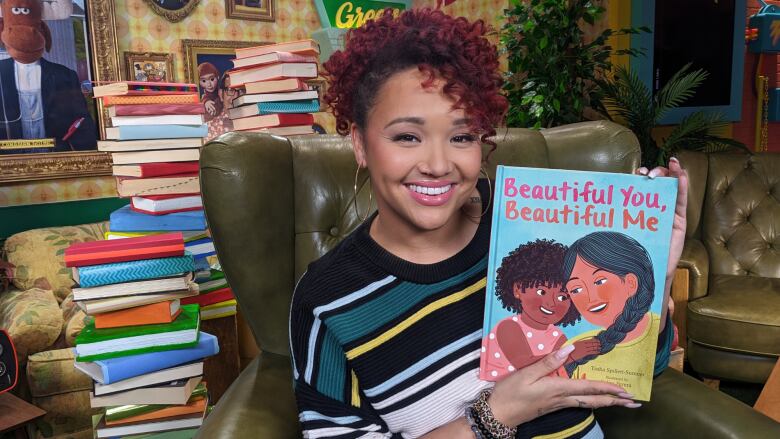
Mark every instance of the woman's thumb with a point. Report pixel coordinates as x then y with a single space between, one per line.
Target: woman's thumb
551 362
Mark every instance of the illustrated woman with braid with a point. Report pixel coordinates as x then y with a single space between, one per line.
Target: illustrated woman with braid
610 282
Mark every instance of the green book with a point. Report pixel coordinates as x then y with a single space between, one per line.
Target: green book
98 344
117 413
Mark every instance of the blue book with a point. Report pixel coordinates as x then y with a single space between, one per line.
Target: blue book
117 369
120 272
200 248
147 132
577 258
302 106
125 219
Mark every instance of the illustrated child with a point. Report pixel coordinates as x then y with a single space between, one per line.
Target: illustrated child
209 85
530 284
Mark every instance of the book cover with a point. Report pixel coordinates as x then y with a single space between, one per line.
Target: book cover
274 86
219 310
301 47
143 88
157 169
189 235
152 314
132 288
125 220
292 106
118 414
201 248
278 97
269 58
98 306
167 411
165 204
164 119
120 272
121 368
155 110
211 298
577 258
272 120
96 344
165 155
144 132
175 392
161 376
170 185
149 144
151 100
273 71
103 252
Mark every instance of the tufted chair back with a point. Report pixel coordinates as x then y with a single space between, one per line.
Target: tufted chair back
274 205
739 205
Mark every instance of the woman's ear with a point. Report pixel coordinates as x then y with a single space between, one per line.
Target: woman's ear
358 145
632 282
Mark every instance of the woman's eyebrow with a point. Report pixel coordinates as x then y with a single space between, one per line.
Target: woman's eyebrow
414 120
599 269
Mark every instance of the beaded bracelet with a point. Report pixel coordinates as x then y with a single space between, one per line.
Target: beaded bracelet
483 417
473 424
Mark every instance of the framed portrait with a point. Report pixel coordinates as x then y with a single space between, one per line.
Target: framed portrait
49 123
261 10
148 66
319 84
172 10
206 63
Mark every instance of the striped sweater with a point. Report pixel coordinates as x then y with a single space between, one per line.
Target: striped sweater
383 347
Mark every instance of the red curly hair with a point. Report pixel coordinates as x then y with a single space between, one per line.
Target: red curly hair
442 46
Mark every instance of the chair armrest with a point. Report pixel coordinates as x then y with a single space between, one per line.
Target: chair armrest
696 259
259 404
684 407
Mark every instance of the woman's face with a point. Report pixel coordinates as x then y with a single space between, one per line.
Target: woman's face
208 82
599 295
543 304
423 159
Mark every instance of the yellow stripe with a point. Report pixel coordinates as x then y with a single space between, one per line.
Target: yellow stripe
569 431
355 393
409 321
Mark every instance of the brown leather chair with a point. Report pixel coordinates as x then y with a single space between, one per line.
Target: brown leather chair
732 256
274 205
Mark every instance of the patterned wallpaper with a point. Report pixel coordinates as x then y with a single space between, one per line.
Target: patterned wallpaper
55 191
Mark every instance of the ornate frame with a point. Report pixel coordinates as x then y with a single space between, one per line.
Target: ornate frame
105 67
167 58
172 16
263 14
191 48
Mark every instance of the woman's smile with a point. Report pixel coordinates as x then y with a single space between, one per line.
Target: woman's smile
431 193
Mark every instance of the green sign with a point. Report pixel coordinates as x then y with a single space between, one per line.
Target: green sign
348 14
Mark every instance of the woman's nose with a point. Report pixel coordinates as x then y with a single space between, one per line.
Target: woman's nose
437 162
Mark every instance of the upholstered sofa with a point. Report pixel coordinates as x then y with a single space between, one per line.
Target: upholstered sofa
276 204
732 263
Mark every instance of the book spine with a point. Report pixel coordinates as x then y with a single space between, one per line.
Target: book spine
96 275
303 106
489 296
148 132
143 100
109 257
158 110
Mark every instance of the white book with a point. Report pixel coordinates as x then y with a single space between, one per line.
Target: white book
199 249
165 119
166 204
168 155
203 286
133 288
145 145
137 342
161 376
275 97
205 314
97 306
177 392
148 427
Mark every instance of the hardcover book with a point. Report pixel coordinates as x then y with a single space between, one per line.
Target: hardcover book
155 109
162 412
274 86
133 249
143 88
278 97
270 58
154 313
272 120
120 272
170 185
157 169
273 71
165 204
292 106
123 413
293 130
161 376
132 288
211 298
125 220
150 100
162 119
98 306
148 132
175 392
149 144
165 155
300 47
577 258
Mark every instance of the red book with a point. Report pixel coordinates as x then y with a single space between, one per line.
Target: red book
301 47
211 298
272 120
155 110
269 58
165 204
157 169
123 250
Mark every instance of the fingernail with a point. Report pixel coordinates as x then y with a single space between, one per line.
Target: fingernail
564 352
625 395
652 174
633 405
674 159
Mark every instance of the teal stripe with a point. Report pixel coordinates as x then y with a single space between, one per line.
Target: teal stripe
368 317
332 373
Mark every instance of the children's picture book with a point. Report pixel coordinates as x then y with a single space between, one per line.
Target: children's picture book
577 258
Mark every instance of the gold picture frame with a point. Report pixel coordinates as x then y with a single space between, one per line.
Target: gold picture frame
150 63
105 68
319 84
194 48
172 15
238 9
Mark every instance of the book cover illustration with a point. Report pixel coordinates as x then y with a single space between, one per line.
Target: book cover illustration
577 258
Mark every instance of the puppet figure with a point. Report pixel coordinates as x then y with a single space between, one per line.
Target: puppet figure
209 84
40 99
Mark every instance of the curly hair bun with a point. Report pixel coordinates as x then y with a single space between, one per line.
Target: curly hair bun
453 49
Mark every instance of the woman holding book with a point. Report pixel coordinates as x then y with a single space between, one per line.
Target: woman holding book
386 328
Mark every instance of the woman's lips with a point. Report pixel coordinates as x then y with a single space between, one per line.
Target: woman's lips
598 307
431 194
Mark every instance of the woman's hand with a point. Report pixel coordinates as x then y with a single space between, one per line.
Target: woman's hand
530 392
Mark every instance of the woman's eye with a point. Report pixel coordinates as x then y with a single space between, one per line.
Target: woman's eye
601 281
575 290
540 292
404 138
464 138
562 298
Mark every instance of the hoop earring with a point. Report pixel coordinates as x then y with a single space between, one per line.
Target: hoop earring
354 200
482 171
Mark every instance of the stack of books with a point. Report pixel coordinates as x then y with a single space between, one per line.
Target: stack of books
276 99
141 344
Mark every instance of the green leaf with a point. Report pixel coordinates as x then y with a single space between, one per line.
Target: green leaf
543 42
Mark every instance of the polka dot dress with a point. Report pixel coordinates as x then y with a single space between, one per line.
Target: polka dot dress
541 342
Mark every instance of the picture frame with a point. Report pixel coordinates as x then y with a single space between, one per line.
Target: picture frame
319 84
149 66
172 10
104 67
257 10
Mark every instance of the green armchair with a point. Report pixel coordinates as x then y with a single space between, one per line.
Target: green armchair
732 258
276 204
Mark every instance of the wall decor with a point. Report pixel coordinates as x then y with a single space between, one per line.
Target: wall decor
83 52
319 84
261 10
206 63
149 66
173 10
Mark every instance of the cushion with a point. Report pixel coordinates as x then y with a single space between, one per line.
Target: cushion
73 321
57 387
32 318
37 256
739 313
